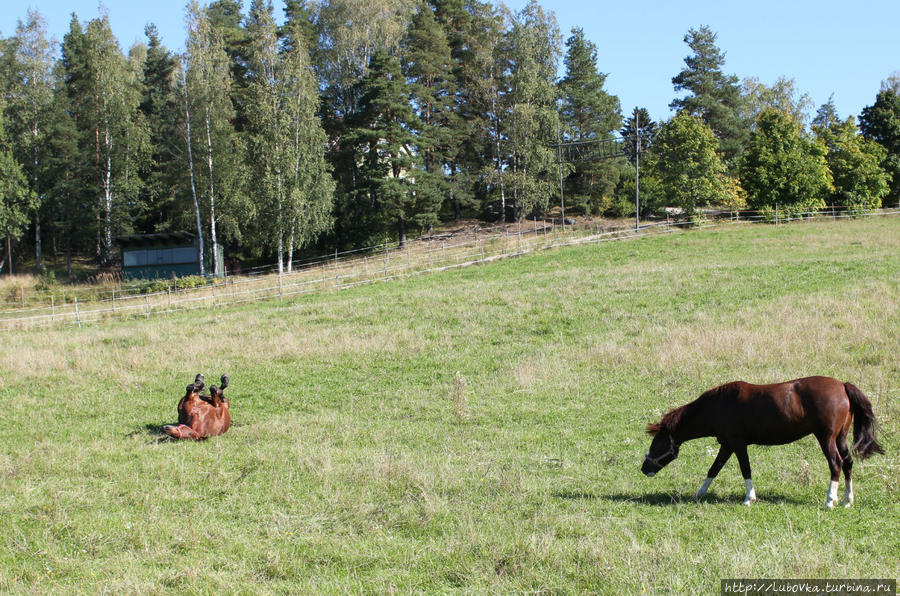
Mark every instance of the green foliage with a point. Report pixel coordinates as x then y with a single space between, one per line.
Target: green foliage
783 168
527 119
880 122
687 165
783 95
17 199
859 181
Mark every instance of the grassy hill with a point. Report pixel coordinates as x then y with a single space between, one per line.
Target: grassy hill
477 430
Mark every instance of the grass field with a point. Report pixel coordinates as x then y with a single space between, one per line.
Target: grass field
473 431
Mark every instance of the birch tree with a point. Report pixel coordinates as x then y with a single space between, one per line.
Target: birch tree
310 195
30 91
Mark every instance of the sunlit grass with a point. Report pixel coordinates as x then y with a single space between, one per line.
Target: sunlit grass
477 430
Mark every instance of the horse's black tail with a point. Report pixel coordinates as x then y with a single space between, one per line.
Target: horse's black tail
863 423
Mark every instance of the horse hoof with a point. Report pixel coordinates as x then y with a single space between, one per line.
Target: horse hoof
829 505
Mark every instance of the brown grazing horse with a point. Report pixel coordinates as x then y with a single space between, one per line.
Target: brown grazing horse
740 414
201 416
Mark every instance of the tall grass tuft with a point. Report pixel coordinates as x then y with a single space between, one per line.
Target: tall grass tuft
460 402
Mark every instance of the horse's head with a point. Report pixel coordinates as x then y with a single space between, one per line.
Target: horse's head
663 450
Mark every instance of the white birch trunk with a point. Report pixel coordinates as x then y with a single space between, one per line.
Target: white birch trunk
499 165
214 245
38 249
107 199
187 118
290 263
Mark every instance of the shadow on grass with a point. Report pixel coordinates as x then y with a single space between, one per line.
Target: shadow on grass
156 434
152 431
663 499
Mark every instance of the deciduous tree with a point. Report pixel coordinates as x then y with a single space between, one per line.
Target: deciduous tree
783 168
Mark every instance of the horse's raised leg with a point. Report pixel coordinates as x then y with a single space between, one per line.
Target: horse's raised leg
835 462
740 450
722 457
180 431
847 465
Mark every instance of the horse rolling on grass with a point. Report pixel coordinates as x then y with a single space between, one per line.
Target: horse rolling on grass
201 416
739 414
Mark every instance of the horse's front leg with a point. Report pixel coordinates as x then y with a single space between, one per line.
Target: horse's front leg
724 453
740 450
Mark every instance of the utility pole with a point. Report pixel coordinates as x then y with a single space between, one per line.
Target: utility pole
637 170
562 200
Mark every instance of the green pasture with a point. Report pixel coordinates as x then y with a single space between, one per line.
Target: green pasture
473 431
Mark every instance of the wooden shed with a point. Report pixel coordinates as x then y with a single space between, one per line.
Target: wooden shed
161 255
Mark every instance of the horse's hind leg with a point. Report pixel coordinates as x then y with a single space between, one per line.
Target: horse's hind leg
835 461
724 453
847 465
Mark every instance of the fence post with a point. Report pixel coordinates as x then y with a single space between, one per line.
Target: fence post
281 289
169 297
776 214
114 300
22 294
52 308
385 260
147 305
77 314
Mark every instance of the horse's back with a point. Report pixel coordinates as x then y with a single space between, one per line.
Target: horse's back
779 413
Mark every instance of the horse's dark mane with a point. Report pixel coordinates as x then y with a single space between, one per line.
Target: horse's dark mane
672 419
669 422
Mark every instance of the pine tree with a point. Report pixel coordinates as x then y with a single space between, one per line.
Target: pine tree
427 66
639 121
474 32
104 97
588 113
162 171
382 132
713 96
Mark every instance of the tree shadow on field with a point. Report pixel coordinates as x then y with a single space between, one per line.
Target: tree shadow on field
153 431
667 499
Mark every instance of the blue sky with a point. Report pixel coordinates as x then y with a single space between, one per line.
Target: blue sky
827 46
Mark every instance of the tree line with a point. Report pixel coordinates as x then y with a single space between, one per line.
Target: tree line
352 123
